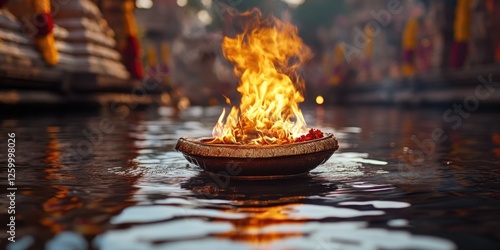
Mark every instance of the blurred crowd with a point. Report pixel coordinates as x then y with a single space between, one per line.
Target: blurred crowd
355 41
176 44
404 38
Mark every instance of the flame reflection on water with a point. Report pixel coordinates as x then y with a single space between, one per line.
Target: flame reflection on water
246 215
134 192
278 227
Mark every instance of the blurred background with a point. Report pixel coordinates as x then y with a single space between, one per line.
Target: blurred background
131 77
168 52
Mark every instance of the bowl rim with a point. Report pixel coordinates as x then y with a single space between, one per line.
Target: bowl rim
197 147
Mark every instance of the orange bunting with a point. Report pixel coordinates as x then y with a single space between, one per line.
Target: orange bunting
45 37
462 25
131 52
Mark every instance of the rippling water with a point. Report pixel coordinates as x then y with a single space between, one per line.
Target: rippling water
110 180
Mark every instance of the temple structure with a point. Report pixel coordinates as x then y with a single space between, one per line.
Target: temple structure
67 48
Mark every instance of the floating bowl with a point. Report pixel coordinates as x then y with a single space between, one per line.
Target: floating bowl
258 161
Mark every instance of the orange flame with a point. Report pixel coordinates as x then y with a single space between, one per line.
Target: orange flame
266 57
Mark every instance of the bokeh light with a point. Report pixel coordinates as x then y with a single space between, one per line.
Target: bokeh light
144 4
204 17
182 3
320 100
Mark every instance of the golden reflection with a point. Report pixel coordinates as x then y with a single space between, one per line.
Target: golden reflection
270 204
407 131
250 229
68 209
495 138
267 213
281 200
61 202
53 154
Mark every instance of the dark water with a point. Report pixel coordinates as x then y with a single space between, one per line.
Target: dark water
111 180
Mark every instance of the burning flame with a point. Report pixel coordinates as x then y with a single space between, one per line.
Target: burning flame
266 56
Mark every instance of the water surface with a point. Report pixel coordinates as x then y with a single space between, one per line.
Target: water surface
112 180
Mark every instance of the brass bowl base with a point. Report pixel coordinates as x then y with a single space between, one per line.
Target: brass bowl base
254 162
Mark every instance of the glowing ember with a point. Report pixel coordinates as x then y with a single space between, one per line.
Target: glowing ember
266 56
313 134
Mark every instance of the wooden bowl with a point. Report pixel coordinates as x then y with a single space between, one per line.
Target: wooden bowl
258 161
